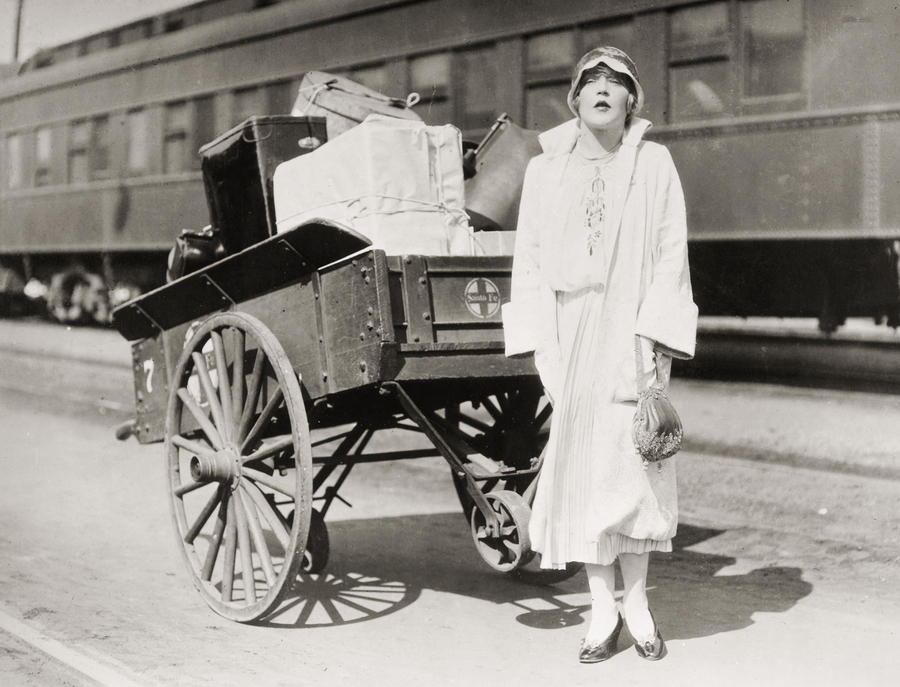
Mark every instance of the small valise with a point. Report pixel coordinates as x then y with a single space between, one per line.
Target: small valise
345 103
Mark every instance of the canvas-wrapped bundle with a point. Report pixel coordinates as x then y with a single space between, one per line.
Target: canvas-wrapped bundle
398 182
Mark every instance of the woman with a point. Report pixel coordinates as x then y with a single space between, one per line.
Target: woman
600 290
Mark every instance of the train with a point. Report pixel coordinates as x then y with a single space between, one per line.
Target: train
782 116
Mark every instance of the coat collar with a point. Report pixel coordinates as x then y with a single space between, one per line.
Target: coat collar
561 139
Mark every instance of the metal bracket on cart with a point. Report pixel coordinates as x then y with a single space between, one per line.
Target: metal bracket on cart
492 522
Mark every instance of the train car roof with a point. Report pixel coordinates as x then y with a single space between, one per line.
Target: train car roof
238 28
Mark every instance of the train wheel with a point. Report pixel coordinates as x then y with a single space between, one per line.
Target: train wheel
239 460
509 548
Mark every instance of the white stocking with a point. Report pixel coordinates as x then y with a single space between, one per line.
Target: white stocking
634 600
602 582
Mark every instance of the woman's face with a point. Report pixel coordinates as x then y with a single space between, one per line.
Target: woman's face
603 101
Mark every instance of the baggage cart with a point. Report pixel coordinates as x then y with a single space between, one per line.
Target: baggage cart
312 329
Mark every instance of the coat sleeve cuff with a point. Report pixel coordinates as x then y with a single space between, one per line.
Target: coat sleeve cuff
518 329
671 320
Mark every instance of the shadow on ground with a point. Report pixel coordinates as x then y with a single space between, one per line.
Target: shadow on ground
380 566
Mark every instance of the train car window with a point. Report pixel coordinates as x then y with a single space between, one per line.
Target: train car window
478 87
135 32
175 146
701 71
79 144
96 44
773 47
172 24
247 103
548 60
204 126
617 33
138 144
734 57
429 76
373 77
222 8
14 162
100 147
545 106
550 52
699 23
43 155
280 97
700 90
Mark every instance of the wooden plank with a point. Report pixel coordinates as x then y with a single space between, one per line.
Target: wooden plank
259 269
461 363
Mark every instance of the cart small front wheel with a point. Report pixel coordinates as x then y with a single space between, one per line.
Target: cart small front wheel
510 548
239 460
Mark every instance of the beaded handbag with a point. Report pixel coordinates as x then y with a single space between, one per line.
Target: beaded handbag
656 429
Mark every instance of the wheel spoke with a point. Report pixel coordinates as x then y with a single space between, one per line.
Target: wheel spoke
237 375
270 513
211 396
188 487
476 424
259 541
263 419
216 542
194 447
246 552
515 548
212 434
491 408
543 416
252 394
266 480
210 506
230 551
267 451
224 386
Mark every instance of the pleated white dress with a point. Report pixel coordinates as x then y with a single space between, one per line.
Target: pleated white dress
594 498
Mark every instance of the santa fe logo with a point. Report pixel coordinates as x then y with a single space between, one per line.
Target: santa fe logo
482 297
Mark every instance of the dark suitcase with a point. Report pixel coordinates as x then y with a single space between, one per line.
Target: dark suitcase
238 168
494 190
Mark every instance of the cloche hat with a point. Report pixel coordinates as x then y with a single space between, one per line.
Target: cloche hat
615 59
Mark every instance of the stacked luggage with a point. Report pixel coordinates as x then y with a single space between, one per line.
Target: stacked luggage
352 155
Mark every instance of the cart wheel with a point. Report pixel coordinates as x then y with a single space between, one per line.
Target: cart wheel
510 549
238 445
318 547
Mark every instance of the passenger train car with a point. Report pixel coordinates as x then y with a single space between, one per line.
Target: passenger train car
783 117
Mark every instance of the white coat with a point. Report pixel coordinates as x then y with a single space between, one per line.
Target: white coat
594 499
652 219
